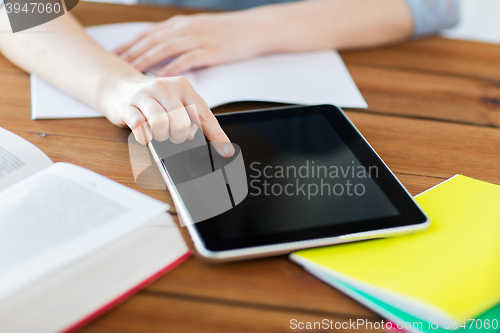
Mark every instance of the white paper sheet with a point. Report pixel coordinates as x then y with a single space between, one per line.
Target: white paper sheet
19 159
61 215
48 102
298 78
301 78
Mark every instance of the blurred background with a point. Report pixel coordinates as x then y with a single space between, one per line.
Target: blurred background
479 20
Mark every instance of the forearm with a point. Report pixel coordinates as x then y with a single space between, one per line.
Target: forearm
61 52
332 24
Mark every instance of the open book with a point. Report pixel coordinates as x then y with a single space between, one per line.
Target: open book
447 278
300 78
72 242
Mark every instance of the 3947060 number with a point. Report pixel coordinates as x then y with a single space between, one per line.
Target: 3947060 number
33 8
484 324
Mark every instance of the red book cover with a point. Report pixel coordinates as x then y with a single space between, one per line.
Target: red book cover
98 312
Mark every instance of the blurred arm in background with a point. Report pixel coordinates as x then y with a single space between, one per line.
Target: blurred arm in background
209 39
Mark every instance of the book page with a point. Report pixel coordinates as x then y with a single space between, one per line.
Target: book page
96 281
18 159
61 215
309 78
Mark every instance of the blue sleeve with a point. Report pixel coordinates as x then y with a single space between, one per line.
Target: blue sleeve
430 16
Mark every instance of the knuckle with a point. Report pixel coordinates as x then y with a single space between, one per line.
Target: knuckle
136 97
205 114
158 85
218 137
182 82
190 57
181 22
144 59
166 45
154 38
180 125
159 122
135 122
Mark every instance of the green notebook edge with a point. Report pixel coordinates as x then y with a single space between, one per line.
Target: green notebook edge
397 316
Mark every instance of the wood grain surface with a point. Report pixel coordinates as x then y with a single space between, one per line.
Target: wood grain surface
434 112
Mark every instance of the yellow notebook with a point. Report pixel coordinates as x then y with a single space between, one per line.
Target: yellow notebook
451 271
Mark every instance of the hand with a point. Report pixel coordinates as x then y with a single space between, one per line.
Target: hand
196 41
163 108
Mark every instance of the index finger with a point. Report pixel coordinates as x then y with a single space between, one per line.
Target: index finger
124 47
155 27
213 131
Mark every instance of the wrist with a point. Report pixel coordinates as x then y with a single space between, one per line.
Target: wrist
292 27
264 23
261 27
112 93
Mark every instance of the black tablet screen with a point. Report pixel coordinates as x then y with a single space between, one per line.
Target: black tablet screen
302 176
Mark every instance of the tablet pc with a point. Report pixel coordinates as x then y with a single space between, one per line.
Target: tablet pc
311 180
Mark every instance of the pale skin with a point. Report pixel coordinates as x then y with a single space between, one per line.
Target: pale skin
60 52
70 60
203 40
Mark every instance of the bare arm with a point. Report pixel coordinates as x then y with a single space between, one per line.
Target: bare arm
60 52
335 24
63 54
210 39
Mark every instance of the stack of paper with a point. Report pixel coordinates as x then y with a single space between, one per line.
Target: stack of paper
445 278
300 78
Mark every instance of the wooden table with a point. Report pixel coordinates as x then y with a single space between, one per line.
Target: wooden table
434 112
